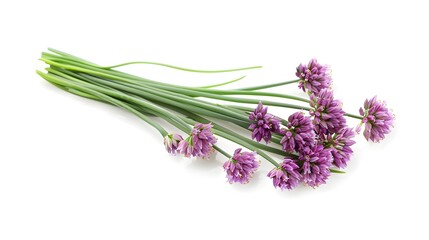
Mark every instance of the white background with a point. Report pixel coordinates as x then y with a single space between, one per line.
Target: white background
71 168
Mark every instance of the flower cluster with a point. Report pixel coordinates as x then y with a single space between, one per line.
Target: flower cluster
241 166
327 112
286 176
199 143
340 145
322 140
298 134
316 163
377 118
263 124
313 77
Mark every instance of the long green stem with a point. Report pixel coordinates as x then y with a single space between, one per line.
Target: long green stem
353 116
268 85
223 84
182 68
153 63
227 155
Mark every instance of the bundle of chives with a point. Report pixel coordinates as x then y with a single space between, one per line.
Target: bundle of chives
312 146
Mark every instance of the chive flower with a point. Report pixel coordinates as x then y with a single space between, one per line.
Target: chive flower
340 145
377 118
328 116
316 162
313 76
286 176
241 166
171 142
299 133
263 123
199 143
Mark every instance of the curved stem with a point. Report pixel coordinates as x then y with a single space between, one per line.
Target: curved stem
181 68
268 85
153 63
224 83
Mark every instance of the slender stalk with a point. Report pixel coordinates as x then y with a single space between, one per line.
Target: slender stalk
224 83
153 63
182 68
336 171
268 85
353 116
227 155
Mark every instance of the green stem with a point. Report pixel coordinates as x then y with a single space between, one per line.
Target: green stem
71 57
336 171
268 85
227 155
224 83
353 116
151 63
182 68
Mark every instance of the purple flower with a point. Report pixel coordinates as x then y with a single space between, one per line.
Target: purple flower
313 77
241 166
171 142
263 123
340 144
200 141
286 176
377 118
327 112
299 132
316 163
